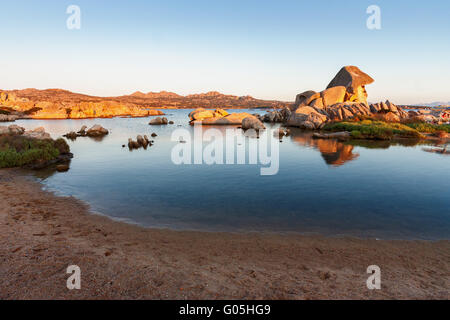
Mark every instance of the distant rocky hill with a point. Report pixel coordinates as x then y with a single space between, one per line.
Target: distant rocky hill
211 99
433 104
63 104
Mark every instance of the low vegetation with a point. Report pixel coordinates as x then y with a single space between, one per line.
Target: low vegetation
372 129
18 151
429 127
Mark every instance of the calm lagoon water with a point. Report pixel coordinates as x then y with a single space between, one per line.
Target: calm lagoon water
323 186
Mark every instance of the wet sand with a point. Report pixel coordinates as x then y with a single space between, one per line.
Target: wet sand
42 234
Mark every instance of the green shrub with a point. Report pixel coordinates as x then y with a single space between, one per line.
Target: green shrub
356 134
62 145
17 151
429 127
370 129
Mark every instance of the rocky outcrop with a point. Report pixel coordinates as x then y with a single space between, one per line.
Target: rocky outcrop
38 133
388 117
386 107
202 114
308 118
95 131
11 130
431 116
345 98
155 112
218 117
279 116
8 118
141 142
231 119
252 123
354 81
106 109
15 130
61 104
347 86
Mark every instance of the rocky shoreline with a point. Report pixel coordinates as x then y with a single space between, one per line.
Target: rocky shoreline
344 101
62 104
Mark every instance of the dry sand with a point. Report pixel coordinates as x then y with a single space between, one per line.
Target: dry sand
42 234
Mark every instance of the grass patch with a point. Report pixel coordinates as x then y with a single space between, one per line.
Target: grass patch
372 129
18 151
429 127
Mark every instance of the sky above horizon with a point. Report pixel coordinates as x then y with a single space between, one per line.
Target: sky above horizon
266 49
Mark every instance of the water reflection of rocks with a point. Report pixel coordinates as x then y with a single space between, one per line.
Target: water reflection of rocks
337 153
438 149
334 152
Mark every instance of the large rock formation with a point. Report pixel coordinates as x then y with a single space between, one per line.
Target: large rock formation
280 116
347 86
354 81
345 98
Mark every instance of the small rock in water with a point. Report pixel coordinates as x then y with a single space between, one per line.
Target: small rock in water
71 135
62 168
82 131
97 131
133 144
142 142
252 123
159 121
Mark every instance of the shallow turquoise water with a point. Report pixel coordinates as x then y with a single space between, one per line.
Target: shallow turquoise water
322 186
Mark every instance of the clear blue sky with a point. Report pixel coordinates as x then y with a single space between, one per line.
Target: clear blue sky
268 49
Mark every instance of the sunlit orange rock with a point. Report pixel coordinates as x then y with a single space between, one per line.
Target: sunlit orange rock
231 119
57 107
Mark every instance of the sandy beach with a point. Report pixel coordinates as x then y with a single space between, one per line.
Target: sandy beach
43 234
